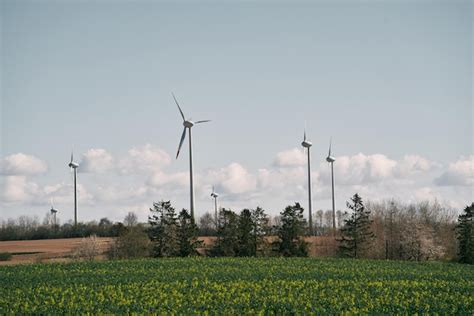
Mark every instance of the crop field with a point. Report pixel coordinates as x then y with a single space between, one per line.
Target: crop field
236 286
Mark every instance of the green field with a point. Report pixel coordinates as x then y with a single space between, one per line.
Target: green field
236 286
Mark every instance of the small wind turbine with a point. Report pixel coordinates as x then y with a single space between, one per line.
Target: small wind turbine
73 165
188 124
307 144
215 196
53 213
330 159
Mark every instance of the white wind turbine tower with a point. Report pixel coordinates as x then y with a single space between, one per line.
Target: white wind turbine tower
53 213
330 159
214 195
307 144
73 165
188 124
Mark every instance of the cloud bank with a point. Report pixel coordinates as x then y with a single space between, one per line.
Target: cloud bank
133 181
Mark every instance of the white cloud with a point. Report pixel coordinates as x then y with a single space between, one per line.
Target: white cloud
20 164
359 169
290 158
412 164
144 178
22 191
96 161
160 178
364 169
143 159
459 173
236 179
115 194
233 179
19 189
424 194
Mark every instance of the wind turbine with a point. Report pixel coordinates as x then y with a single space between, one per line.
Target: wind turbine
215 195
330 159
188 124
307 144
73 165
53 213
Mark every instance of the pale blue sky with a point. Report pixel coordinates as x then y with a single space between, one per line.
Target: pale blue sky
387 77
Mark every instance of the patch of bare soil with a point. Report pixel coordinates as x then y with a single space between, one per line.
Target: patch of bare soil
59 250
46 250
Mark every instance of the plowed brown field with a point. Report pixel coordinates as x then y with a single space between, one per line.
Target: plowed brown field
59 250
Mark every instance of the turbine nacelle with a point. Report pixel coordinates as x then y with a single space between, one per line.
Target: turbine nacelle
188 123
330 159
306 144
53 211
214 195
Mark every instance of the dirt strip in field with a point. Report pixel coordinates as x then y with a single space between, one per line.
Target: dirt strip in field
59 250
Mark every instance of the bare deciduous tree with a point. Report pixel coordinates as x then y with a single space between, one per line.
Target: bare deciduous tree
130 219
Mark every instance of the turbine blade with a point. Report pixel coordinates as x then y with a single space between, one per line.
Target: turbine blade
330 143
203 121
180 111
181 142
72 156
304 136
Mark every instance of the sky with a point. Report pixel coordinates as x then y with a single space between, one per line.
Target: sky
389 81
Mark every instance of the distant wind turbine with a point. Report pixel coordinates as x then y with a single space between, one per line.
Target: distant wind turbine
73 165
330 159
188 124
53 213
307 144
215 196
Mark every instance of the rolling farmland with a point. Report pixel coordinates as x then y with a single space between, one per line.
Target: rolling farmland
238 285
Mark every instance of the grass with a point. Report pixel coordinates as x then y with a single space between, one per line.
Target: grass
238 286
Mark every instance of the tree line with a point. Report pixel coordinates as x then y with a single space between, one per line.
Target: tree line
378 230
240 235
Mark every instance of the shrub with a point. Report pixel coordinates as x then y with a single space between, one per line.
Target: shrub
88 248
132 244
5 256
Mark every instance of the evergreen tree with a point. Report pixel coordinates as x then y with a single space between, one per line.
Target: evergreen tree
292 228
163 232
246 240
465 235
227 242
261 228
356 234
187 235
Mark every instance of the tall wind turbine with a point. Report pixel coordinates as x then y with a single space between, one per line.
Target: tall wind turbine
73 165
330 159
53 213
188 124
215 196
307 144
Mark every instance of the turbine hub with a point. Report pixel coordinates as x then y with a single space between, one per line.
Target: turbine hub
214 195
330 159
73 165
306 144
188 124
